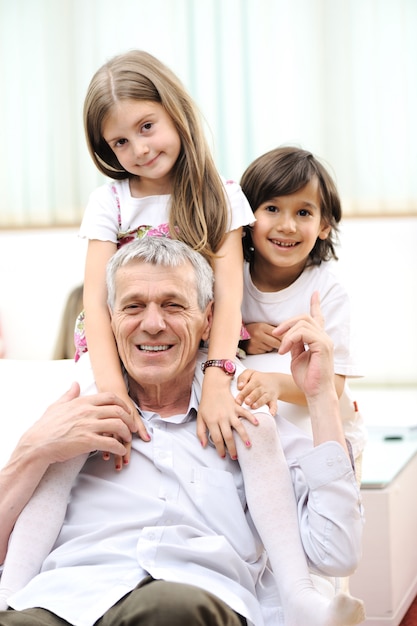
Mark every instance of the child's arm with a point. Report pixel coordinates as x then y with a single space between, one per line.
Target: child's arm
258 388
218 411
100 339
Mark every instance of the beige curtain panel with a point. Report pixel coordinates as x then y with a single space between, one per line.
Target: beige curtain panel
337 77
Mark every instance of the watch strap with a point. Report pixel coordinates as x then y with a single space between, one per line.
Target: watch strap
225 364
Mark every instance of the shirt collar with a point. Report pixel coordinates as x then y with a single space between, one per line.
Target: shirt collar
179 418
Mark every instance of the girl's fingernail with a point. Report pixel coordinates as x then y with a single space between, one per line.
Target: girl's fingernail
248 444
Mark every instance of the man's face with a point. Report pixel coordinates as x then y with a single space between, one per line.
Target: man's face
157 323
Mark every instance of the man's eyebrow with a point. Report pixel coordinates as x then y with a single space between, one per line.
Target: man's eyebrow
163 297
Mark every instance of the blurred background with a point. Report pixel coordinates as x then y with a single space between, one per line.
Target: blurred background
337 77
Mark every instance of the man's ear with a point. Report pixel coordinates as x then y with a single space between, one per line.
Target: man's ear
111 316
208 320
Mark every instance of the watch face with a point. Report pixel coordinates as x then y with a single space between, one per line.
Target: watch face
229 367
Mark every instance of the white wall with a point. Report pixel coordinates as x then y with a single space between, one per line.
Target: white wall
38 270
378 263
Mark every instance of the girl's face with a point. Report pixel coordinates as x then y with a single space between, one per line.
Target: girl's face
145 141
287 228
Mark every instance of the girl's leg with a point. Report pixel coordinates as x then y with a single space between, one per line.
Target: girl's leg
271 501
37 527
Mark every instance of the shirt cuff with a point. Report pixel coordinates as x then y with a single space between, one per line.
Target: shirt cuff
326 463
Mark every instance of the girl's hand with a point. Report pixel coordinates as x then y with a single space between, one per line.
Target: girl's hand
219 414
139 428
258 388
262 340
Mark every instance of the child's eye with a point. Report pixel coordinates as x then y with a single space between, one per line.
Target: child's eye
271 208
147 126
120 142
304 212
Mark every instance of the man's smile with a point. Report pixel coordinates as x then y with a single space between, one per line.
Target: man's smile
158 348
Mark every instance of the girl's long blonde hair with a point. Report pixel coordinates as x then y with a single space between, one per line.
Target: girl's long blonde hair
199 213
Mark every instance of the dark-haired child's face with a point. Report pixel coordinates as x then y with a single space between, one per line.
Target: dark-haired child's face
287 228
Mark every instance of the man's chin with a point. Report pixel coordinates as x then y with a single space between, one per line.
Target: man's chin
150 372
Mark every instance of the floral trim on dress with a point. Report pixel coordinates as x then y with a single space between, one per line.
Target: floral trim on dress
124 237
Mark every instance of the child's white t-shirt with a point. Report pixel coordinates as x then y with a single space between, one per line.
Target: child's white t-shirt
276 307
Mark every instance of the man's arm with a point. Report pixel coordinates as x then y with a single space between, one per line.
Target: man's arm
312 369
331 522
70 427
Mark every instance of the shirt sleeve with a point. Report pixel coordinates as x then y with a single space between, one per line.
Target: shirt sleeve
100 219
329 508
336 311
240 212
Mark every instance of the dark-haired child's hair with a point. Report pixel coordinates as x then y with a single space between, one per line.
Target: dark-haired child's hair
286 170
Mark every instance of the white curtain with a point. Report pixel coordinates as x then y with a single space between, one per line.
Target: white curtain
338 77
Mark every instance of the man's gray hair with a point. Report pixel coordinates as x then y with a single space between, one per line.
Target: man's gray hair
168 253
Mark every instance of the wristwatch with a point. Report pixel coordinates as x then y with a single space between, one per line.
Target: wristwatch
226 365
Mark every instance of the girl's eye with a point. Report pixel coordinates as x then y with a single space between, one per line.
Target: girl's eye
271 209
147 126
303 212
120 142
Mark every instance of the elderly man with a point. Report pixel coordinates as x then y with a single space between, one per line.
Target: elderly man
171 540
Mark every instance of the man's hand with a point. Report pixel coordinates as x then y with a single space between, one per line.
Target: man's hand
311 350
312 369
76 425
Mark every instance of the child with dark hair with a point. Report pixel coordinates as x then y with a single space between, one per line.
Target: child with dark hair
288 253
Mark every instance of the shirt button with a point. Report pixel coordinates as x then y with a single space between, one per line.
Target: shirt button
330 461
